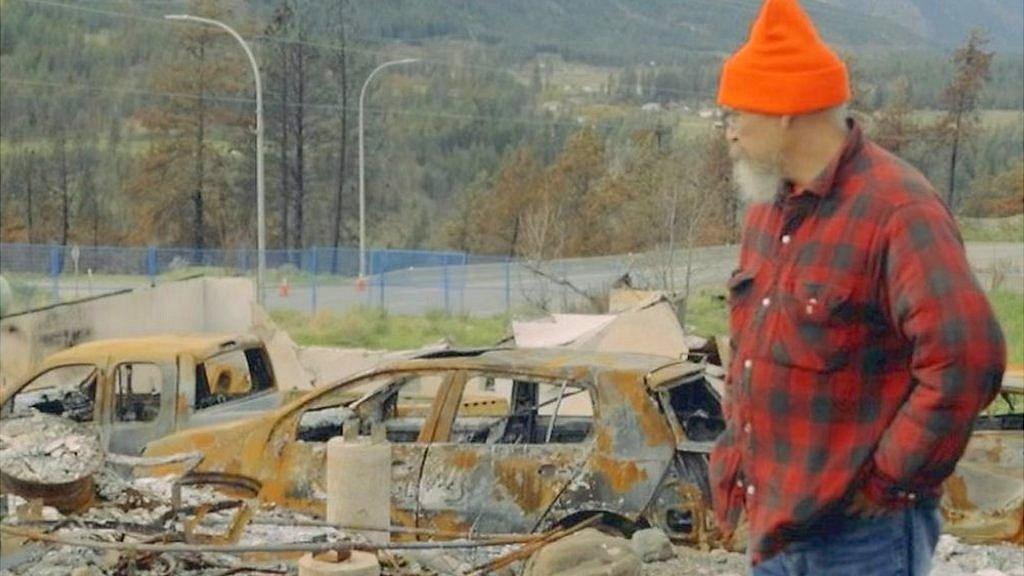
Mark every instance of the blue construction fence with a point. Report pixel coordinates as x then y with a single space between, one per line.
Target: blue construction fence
407 281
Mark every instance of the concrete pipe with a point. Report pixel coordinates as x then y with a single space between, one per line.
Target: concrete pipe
327 564
359 486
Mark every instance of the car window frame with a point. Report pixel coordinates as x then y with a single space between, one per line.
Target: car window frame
96 372
161 368
556 382
287 424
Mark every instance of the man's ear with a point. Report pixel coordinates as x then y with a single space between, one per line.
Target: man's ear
786 121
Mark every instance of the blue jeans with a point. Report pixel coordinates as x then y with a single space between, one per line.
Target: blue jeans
898 544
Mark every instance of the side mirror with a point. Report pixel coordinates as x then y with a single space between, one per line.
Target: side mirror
325 423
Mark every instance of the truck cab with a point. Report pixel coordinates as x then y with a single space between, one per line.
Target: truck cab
141 389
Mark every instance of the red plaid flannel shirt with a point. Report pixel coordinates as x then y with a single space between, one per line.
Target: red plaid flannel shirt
863 349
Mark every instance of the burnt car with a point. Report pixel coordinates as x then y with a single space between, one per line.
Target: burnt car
135 390
496 441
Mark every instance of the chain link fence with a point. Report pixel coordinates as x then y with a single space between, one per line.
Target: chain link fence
399 281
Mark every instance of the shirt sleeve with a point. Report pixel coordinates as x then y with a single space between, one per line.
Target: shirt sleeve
958 352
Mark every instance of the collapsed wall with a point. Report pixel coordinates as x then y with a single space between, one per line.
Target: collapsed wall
200 305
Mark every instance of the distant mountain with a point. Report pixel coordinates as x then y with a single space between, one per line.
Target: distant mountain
614 31
947 22
632 31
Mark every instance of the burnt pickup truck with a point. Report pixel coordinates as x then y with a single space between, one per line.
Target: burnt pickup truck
141 389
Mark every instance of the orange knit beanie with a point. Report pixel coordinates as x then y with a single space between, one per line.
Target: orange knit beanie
784 68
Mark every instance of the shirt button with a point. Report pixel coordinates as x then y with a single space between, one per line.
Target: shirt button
766 302
748 364
739 483
811 304
750 490
786 239
747 428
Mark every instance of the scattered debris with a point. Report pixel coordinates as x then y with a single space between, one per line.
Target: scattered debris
652 545
44 449
589 552
956 558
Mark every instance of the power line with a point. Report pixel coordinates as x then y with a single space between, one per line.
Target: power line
313 105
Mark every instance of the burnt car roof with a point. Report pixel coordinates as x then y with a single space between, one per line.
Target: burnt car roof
549 362
148 348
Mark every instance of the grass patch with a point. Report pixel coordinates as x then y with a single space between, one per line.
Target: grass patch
376 329
708 314
1009 309
1009 229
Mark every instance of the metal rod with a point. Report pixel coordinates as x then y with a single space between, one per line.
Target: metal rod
245 549
261 222
362 169
558 405
530 548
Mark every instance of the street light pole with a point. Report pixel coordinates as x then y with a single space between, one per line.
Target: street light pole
261 227
362 173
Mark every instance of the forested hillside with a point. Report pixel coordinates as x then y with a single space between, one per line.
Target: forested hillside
945 22
525 127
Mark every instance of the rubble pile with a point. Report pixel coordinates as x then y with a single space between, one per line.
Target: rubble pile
47 449
128 510
956 558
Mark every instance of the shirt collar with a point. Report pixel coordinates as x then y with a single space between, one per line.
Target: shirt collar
823 185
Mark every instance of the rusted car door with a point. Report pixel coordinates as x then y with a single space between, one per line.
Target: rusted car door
401 402
497 465
143 404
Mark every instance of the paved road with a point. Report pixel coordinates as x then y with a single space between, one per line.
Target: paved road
488 289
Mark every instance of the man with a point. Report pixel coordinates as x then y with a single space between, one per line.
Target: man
863 348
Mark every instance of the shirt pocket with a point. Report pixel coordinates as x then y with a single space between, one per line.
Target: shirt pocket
816 329
741 289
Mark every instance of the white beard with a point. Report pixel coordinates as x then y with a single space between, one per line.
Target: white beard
756 184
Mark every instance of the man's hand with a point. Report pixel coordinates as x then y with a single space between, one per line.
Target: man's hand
863 507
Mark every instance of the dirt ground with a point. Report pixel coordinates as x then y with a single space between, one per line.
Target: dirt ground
952 558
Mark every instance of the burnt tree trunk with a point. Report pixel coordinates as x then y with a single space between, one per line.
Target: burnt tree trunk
29 173
952 165
198 238
282 158
299 169
342 143
65 203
